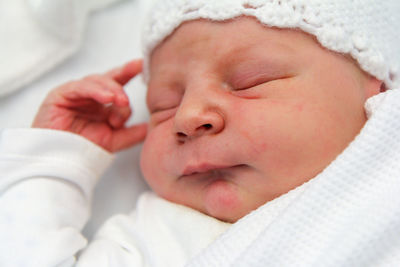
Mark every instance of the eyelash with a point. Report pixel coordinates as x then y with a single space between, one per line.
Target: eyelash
245 92
166 103
161 115
251 85
164 112
158 110
260 81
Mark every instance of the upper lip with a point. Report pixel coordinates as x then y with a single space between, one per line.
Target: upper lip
203 168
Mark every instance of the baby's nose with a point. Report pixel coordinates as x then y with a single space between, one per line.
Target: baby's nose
193 120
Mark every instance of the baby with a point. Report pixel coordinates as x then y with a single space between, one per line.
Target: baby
249 101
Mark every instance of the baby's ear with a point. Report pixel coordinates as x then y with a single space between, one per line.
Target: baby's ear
373 86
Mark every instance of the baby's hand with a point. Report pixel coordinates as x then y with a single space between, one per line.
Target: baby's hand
95 107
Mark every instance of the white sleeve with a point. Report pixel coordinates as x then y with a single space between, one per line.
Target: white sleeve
46 183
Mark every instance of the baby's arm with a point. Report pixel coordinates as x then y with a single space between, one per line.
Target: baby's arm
47 176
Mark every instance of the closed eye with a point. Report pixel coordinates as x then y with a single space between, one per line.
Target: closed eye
249 84
160 109
160 115
256 81
258 88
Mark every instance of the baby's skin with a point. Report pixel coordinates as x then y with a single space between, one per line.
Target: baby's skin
241 113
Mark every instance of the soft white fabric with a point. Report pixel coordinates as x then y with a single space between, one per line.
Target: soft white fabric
349 215
36 35
368 30
157 233
46 183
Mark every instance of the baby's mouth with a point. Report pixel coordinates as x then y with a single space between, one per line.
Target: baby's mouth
208 170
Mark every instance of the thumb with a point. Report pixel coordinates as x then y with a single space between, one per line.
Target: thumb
126 137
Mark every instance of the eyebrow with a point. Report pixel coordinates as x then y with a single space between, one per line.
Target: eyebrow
270 48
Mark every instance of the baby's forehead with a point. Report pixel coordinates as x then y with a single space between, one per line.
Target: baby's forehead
233 41
230 42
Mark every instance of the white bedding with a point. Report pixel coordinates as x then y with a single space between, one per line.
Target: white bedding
111 38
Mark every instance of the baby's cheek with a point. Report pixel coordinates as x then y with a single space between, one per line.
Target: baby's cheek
249 132
280 133
253 140
152 160
146 160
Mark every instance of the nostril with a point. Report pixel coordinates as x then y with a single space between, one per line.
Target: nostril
204 128
181 135
207 126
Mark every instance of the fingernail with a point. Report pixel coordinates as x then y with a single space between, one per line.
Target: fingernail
108 94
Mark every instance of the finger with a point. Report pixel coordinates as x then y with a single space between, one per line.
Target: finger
118 116
127 137
74 93
94 112
121 98
112 115
124 74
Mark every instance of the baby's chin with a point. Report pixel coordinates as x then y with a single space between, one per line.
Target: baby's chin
222 200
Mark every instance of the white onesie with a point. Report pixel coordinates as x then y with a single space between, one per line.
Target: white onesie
46 182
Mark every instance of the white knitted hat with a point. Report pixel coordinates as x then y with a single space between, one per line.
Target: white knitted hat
368 30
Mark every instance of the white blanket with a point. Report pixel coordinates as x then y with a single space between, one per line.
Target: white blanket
349 215
37 35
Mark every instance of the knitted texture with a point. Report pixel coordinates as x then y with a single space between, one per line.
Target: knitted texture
347 216
368 30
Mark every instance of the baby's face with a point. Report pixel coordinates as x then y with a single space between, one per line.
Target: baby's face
242 113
